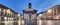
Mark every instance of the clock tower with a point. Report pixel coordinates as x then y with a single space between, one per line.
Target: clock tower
30 15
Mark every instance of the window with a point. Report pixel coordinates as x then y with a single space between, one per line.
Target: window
4 12
0 11
0 18
54 12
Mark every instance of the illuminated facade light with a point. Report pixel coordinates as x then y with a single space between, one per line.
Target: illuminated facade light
49 11
18 15
40 14
8 11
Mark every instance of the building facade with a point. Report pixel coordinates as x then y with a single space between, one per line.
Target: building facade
8 16
30 16
56 12
51 13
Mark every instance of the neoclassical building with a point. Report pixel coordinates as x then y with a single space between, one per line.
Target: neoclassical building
30 15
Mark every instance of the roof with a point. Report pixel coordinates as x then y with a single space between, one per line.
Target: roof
54 6
3 6
29 9
7 8
41 12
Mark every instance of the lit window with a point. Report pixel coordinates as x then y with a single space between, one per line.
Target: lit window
5 18
19 15
22 21
0 9
11 18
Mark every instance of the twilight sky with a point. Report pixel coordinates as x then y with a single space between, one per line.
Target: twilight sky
19 5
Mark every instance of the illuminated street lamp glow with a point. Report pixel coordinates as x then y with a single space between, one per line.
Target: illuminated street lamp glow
5 18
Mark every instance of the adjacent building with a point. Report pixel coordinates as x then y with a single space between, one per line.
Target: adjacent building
55 12
51 13
7 16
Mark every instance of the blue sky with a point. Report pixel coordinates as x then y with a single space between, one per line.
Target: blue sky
39 5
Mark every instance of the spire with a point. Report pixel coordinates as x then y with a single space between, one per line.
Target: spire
29 5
